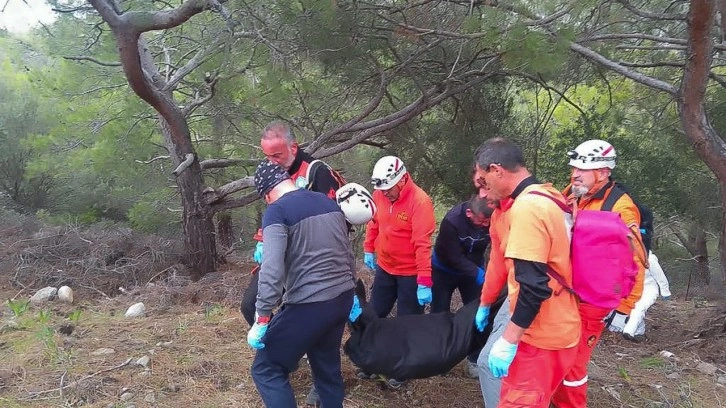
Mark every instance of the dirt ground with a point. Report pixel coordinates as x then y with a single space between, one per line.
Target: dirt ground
89 354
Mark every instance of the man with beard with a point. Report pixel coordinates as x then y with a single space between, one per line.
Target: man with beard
592 163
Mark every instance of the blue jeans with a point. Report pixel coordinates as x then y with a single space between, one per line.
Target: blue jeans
387 289
312 328
491 385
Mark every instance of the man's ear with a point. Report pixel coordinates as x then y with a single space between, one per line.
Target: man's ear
469 214
293 148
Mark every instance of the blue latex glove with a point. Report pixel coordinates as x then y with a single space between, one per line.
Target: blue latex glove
258 253
255 335
356 310
423 293
480 320
666 298
501 356
480 276
369 259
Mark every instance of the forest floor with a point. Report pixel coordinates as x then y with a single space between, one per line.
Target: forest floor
193 338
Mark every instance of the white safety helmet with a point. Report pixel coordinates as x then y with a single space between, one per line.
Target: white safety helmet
593 154
387 172
356 203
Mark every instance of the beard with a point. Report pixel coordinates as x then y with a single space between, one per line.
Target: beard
579 191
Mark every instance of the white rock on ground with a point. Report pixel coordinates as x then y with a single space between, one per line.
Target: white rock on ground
44 295
143 361
707 368
136 310
65 294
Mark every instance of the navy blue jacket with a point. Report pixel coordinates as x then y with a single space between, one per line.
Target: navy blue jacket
460 245
307 256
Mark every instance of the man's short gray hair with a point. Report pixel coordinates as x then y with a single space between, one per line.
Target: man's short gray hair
277 129
499 151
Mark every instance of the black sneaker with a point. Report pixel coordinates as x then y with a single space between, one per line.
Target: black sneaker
634 339
313 399
395 384
362 375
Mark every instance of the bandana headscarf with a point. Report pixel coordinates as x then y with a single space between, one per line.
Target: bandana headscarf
268 175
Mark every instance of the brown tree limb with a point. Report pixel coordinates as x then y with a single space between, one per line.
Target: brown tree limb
628 73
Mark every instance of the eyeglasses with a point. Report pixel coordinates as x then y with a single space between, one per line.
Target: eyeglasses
489 166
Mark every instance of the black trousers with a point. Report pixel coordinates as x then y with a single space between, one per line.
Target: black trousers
443 290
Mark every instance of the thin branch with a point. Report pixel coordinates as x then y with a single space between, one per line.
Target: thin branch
650 15
100 88
636 36
34 395
94 60
222 163
153 159
198 59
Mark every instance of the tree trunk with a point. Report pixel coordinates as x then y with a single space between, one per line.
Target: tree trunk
199 238
225 232
706 141
722 237
698 245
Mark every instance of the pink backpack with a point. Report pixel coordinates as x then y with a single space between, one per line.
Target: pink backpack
603 268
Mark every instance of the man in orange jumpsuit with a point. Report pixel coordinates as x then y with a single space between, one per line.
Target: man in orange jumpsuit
539 343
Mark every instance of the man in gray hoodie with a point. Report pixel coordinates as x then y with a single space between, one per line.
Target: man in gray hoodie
308 254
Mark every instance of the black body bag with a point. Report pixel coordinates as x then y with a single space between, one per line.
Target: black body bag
414 346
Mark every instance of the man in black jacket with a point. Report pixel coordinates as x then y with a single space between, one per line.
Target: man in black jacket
458 259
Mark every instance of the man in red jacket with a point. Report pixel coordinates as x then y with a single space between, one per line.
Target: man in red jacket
398 242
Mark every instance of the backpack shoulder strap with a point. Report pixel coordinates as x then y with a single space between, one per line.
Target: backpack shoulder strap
313 167
612 198
564 207
556 276
551 272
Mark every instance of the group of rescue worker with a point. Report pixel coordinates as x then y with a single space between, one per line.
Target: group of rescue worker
542 337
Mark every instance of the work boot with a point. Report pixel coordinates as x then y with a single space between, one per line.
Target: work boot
471 369
313 398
